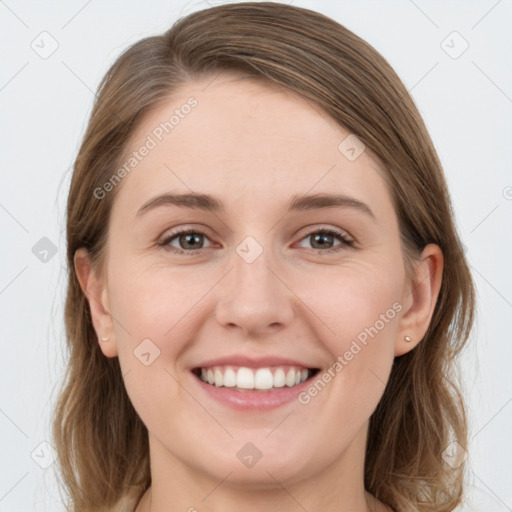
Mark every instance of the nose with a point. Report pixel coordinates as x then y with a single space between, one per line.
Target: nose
254 297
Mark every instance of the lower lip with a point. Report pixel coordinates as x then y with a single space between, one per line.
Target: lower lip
251 400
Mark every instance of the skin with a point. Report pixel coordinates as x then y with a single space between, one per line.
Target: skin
254 147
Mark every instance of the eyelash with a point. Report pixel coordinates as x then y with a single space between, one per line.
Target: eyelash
346 243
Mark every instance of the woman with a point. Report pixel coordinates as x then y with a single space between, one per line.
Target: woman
267 292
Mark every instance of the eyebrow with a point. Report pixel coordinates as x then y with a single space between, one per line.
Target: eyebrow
209 203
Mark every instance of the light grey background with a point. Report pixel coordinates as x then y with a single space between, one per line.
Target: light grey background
465 101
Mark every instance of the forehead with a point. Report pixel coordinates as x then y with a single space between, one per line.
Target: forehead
245 142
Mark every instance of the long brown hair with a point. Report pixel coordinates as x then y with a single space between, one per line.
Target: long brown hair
101 441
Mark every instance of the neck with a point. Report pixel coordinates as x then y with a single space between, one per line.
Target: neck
371 504
337 488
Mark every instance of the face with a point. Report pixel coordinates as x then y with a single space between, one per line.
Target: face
318 287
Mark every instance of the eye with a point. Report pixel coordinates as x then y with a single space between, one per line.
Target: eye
324 237
188 239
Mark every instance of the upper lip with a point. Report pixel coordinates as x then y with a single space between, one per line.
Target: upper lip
252 362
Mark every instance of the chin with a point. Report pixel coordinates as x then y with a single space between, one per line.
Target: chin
263 474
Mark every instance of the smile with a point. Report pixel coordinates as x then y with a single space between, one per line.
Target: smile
262 379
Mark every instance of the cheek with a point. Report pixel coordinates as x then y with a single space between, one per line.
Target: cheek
151 310
355 300
367 311
151 301
361 307
157 310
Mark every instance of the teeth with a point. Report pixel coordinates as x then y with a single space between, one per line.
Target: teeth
290 378
219 379
244 378
229 378
263 379
279 378
248 378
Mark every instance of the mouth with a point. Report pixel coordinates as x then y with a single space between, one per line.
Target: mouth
265 379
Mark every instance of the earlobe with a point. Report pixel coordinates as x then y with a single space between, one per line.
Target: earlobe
95 291
421 294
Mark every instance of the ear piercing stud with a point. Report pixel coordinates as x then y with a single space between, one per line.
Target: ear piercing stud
407 338
105 339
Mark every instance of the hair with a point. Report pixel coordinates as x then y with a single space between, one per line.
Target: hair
101 441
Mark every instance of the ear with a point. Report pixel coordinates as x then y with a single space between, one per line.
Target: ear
95 290
419 299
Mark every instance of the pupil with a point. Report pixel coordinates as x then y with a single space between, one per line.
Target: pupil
188 237
318 238
321 235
